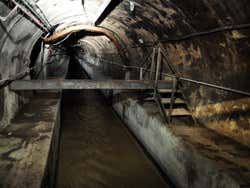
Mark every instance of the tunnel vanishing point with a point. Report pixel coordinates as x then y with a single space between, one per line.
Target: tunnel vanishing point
124 93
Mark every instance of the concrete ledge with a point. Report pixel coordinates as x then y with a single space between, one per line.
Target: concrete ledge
192 157
28 146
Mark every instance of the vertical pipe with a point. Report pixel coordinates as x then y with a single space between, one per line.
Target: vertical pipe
152 65
158 66
141 73
127 75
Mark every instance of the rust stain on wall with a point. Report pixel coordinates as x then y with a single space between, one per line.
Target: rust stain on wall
230 118
237 35
181 55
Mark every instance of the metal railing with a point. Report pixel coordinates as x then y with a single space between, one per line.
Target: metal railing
177 75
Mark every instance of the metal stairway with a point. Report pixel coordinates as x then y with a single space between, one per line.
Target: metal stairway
174 105
170 100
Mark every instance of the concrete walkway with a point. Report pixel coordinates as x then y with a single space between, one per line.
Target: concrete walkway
28 145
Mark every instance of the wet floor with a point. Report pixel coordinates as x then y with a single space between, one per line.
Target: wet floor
96 150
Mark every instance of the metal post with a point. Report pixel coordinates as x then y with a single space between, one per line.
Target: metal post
161 107
157 96
172 100
141 73
43 68
159 60
127 75
152 68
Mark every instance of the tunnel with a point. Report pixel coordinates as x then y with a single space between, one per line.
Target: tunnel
124 93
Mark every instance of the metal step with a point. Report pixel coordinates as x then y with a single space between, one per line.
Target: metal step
168 79
166 100
180 112
167 91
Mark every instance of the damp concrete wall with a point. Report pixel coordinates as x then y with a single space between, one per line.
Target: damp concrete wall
20 49
16 44
29 145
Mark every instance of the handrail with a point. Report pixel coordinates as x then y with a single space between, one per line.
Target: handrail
178 77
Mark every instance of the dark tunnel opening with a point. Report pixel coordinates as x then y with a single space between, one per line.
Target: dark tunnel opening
36 53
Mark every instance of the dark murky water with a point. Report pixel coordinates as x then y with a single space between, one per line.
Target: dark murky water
97 151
